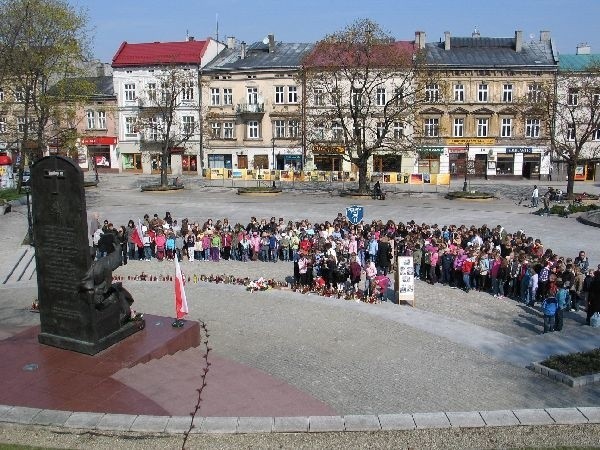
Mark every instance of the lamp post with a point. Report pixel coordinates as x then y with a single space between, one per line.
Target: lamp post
273 152
29 217
466 167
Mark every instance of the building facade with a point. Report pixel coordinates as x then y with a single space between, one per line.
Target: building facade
480 118
251 99
137 72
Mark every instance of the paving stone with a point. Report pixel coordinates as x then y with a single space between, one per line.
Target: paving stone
533 417
325 423
255 425
431 420
4 409
52 417
362 423
591 412
566 415
180 424
120 422
20 414
396 422
152 424
87 420
290 424
219 425
501 418
469 419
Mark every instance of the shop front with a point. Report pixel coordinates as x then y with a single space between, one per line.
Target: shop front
100 153
327 158
428 159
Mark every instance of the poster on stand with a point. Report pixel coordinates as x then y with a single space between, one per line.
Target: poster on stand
405 280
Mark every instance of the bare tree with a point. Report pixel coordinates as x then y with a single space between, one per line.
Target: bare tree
44 42
573 111
362 93
167 119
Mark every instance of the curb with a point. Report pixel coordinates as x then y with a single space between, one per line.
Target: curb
303 424
563 378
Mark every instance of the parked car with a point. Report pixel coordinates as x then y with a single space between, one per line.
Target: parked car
26 177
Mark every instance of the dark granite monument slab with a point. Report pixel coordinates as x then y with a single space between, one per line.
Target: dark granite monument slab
80 308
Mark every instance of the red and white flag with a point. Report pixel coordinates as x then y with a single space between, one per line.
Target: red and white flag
181 307
138 234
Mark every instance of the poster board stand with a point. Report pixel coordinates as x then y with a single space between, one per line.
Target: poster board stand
404 282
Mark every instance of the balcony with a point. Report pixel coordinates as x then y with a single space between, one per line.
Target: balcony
250 108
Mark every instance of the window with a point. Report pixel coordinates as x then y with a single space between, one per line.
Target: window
336 131
534 93
227 96
571 132
187 91
482 92
398 96
165 93
573 97
153 124
21 124
102 120
398 130
432 93
459 92
432 127
215 130
188 123
129 92
1 95
215 96
459 128
91 120
130 127
20 95
319 97
380 132
595 98
152 92
228 130
253 129
2 124
292 94
595 134
482 127
320 130
380 96
252 95
356 97
506 130
507 93
532 128
293 127
279 129
279 95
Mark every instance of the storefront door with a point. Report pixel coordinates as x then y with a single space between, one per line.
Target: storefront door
531 166
480 165
242 161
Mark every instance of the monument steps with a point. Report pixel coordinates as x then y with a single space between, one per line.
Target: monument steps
22 268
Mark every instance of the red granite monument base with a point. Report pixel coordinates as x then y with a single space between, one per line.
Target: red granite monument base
41 376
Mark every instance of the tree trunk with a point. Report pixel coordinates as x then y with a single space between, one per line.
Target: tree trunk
570 179
363 182
164 181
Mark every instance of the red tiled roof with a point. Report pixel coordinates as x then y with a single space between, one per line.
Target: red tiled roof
156 53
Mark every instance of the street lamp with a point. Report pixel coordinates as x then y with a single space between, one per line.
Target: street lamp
29 217
273 151
466 167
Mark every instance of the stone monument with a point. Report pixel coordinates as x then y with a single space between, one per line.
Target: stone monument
80 308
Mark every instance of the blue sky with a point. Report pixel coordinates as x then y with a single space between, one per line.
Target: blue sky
569 21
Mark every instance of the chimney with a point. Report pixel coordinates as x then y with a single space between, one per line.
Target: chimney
583 49
191 39
544 36
518 41
420 39
271 43
243 49
231 42
446 40
100 72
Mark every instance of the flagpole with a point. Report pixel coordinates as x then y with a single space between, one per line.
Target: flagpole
181 308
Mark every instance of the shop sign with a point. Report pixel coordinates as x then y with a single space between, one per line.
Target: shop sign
519 149
457 149
327 150
430 149
471 141
98 140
